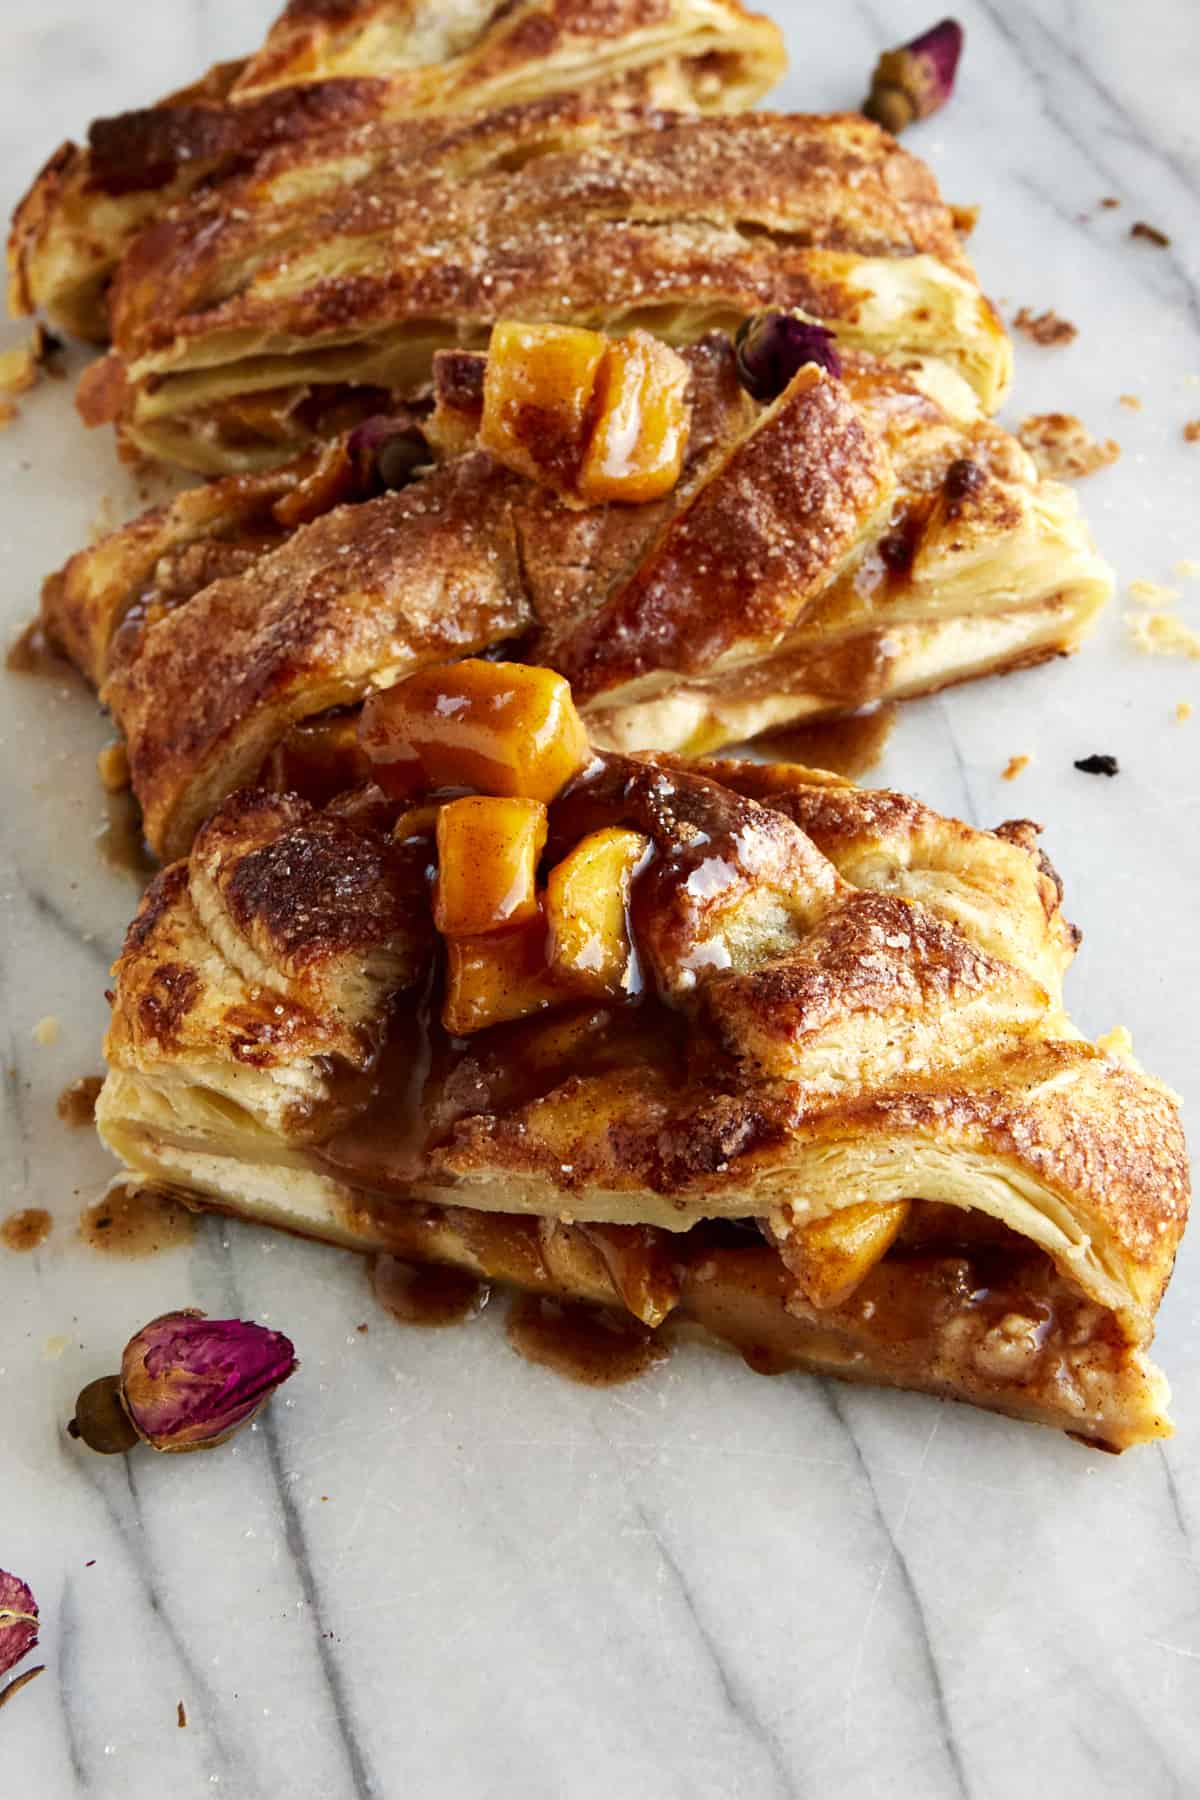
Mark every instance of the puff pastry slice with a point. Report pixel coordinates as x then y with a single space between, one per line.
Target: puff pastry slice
333 71
244 321
855 540
848 1038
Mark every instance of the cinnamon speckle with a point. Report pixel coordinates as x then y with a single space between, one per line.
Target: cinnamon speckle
1014 766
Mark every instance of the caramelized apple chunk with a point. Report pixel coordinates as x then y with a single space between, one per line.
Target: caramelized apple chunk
488 852
497 976
537 398
504 728
587 900
831 1256
642 417
594 420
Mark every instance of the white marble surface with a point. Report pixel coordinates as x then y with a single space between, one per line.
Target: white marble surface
707 1585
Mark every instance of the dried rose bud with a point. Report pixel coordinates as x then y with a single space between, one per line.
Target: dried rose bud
387 452
771 346
913 81
18 1621
186 1383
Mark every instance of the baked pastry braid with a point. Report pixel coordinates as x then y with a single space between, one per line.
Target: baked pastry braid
855 540
242 321
329 69
839 1120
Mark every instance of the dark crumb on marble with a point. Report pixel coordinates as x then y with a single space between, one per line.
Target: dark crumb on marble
181 1715
1098 765
1151 233
90 1565
1045 327
1110 200
1191 431
324 1497
362 1328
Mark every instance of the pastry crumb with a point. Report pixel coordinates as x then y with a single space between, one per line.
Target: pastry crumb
1117 1042
1062 447
1162 634
181 1715
18 370
1109 201
112 766
1014 766
1187 568
1151 234
1183 711
1191 431
1132 401
8 412
46 1030
1152 593
1045 327
53 1347
966 218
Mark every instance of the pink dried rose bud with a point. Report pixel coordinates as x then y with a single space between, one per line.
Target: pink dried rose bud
186 1383
772 346
18 1621
913 81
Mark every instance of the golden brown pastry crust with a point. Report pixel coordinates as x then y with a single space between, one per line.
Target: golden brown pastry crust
856 540
323 72
348 262
874 1014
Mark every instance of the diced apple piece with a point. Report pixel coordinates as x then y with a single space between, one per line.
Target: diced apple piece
504 728
537 398
496 977
831 1256
637 444
587 896
488 853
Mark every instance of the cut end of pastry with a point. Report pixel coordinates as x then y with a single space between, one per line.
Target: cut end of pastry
799 1044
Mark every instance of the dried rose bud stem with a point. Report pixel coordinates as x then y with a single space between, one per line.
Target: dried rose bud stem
912 81
101 1421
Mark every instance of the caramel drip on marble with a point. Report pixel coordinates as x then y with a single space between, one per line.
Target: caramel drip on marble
119 839
77 1102
849 747
426 1293
585 1343
135 1222
26 1229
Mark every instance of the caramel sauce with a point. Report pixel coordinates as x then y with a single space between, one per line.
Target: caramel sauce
32 653
588 1344
135 1222
27 1229
77 1102
850 746
120 841
427 1080
426 1294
